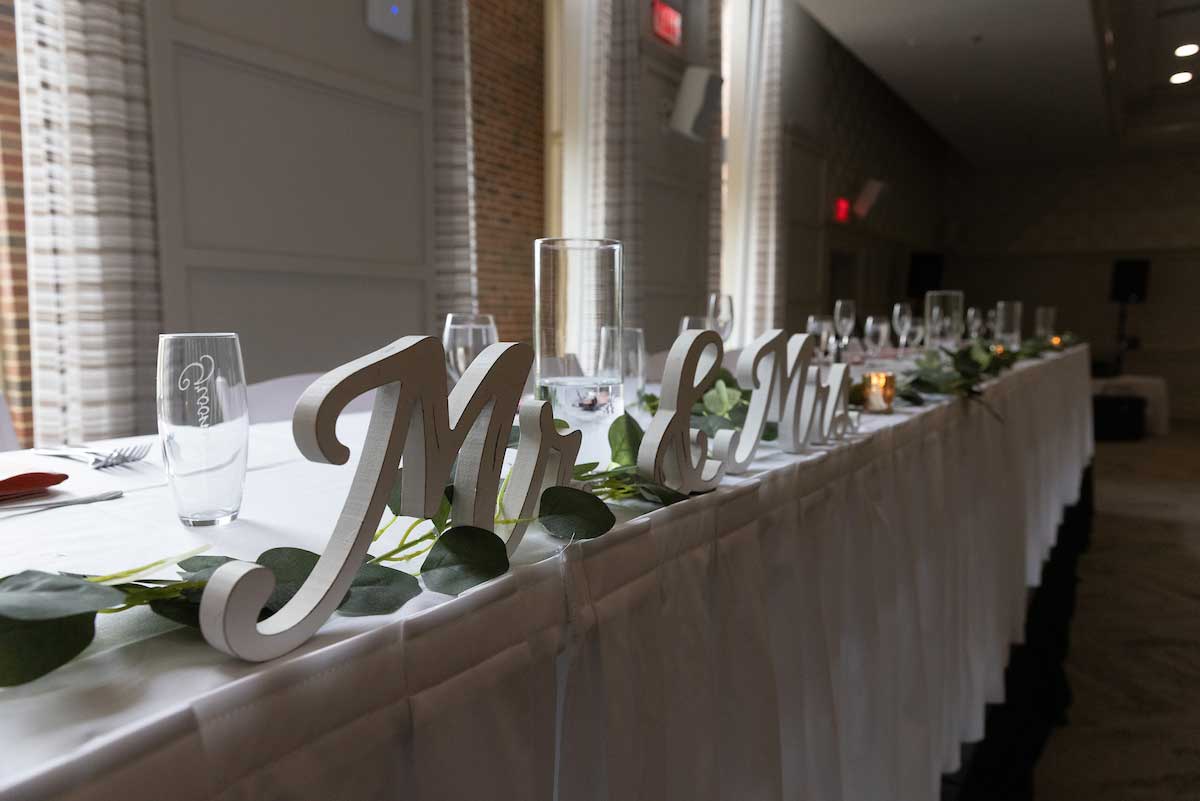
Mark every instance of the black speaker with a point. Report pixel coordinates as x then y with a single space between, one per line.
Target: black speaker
924 273
1130 280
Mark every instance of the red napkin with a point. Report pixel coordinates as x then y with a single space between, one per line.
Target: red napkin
26 484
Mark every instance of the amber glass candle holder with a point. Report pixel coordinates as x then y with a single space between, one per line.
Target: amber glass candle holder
879 392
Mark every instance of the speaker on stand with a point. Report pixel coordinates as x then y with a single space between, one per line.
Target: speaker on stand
1130 283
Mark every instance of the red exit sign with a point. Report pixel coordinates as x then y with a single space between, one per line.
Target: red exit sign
668 23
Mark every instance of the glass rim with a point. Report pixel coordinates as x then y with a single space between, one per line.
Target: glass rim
575 242
211 335
471 315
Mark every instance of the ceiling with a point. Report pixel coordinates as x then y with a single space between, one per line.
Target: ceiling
1030 80
1150 112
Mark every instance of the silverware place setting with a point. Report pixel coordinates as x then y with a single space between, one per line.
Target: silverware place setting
98 460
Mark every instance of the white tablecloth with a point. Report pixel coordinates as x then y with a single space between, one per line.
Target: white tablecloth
829 626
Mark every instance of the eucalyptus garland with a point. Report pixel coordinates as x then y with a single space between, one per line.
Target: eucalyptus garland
47 619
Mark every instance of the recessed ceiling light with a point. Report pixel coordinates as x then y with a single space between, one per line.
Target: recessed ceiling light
1185 50
1181 77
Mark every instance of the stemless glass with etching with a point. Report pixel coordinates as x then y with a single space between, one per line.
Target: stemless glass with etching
577 283
203 425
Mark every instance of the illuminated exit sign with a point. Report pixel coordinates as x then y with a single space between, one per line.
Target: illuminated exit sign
668 23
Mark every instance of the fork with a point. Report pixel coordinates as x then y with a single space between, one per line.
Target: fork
100 459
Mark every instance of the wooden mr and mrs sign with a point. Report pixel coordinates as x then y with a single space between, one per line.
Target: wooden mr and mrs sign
414 417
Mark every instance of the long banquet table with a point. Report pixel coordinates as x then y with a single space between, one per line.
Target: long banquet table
827 626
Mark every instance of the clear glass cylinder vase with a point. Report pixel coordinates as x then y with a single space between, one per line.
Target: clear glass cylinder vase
577 283
944 319
1008 324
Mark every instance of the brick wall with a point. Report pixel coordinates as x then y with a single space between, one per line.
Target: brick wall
507 44
15 373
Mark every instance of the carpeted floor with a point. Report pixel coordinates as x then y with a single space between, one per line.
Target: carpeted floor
1134 659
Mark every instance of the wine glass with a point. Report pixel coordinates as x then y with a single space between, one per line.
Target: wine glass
917 335
843 319
902 319
464 337
876 334
720 313
821 326
975 322
691 322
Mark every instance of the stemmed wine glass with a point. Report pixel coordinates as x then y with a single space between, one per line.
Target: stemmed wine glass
464 337
975 322
720 313
821 326
690 322
902 319
918 332
843 318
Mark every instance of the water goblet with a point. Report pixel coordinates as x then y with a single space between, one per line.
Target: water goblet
464 337
902 319
720 313
843 318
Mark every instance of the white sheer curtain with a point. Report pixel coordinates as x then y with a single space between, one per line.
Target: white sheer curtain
599 54
751 263
453 175
89 201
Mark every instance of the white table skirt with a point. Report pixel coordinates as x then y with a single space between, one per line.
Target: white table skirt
828 627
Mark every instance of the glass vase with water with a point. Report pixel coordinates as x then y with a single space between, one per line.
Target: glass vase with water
577 283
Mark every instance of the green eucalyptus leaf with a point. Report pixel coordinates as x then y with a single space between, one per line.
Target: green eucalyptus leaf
442 518
201 568
291 567
710 424
35 595
462 558
394 497
379 590
657 493
624 440
569 513
561 425
32 648
721 399
584 469
725 377
858 393
182 609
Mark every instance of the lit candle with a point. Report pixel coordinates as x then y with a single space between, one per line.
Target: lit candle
880 391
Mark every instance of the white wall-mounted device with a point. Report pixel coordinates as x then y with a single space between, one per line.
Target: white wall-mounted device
698 99
391 18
